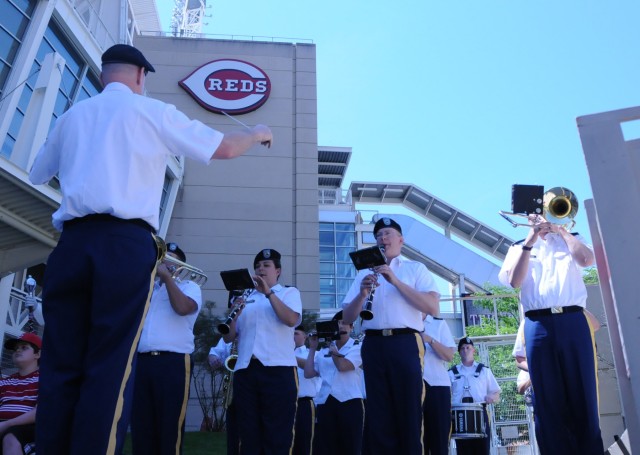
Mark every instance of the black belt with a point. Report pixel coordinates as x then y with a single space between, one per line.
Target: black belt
554 310
389 332
305 398
154 353
106 217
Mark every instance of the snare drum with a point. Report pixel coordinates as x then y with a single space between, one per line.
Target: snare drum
467 421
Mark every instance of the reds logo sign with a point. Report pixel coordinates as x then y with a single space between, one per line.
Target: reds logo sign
230 86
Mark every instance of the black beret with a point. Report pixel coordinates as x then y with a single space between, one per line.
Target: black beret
123 53
385 222
175 249
464 341
267 254
337 316
300 328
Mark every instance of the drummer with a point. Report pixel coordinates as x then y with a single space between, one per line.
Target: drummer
473 382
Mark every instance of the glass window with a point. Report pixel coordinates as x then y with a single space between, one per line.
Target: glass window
342 254
327 254
337 240
348 227
326 238
327 286
343 286
14 20
326 269
327 301
78 81
345 239
345 270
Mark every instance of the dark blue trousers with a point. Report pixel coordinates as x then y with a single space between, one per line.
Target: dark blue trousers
305 425
340 427
233 438
160 399
437 419
266 399
395 391
96 289
562 366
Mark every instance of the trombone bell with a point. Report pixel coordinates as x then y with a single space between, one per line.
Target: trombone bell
181 270
560 206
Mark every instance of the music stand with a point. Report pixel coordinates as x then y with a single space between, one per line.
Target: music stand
237 280
527 199
327 330
367 258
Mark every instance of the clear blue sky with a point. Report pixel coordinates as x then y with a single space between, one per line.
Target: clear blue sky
461 98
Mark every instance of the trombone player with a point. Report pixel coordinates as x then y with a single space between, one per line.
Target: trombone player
547 266
163 367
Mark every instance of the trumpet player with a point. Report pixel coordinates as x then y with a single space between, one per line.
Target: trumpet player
265 389
340 399
547 267
393 350
163 368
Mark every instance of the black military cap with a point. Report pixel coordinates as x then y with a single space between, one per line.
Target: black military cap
463 341
337 316
268 254
175 249
385 222
123 53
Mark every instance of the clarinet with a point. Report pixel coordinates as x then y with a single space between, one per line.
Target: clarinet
366 314
225 327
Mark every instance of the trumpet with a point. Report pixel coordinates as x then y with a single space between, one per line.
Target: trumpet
225 327
559 206
179 270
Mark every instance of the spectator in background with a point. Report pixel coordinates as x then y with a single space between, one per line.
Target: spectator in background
19 394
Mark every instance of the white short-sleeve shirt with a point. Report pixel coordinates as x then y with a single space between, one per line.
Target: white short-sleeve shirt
553 278
342 385
435 368
390 309
261 333
166 330
110 153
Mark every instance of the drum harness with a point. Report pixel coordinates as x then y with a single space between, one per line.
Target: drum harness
457 375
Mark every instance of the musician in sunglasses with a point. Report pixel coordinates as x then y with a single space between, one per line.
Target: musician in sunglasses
265 388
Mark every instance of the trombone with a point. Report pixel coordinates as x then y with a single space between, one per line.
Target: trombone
180 270
559 206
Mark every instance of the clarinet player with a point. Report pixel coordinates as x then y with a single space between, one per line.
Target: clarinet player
265 389
393 350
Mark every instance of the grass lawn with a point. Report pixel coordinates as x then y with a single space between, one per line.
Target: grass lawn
196 443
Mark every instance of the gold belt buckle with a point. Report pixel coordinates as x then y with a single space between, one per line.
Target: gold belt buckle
387 332
557 310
